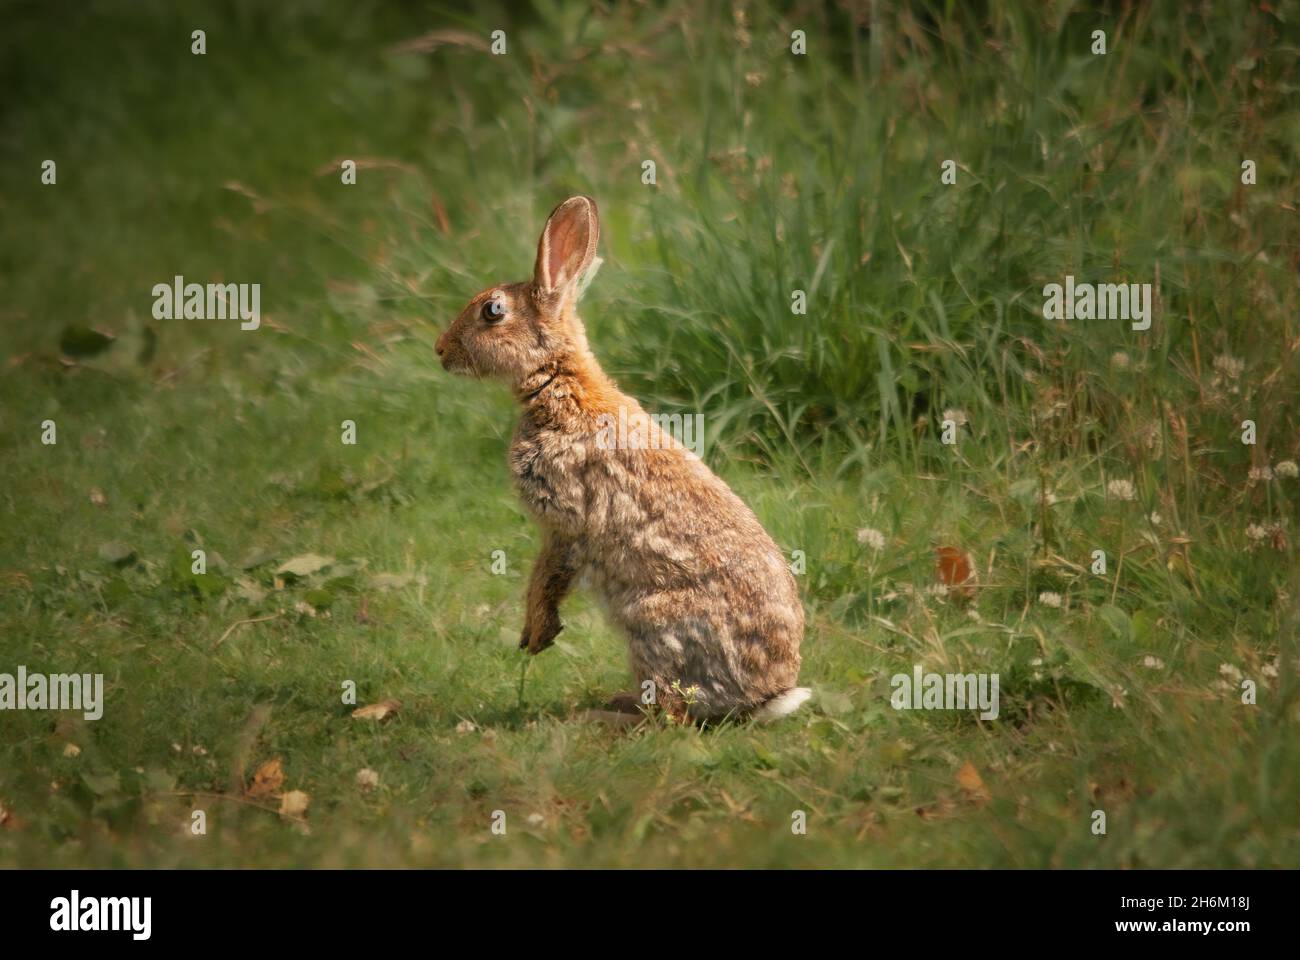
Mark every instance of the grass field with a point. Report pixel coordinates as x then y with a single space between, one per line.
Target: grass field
1121 692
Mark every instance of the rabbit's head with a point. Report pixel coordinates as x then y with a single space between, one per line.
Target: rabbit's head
521 331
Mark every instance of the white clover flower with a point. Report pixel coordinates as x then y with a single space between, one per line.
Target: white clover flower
872 538
1229 671
1119 360
1261 473
1155 518
1256 531
1049 598
1230 367
973 614
1121 490
1048 498
1286 468
367 779
956 416
1153 663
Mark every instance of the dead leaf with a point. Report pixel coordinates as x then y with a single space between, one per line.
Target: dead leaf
268 779
8 821
294 804
377 711
956 571
969 779
116 553
304 565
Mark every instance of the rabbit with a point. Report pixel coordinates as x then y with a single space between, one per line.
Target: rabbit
709 607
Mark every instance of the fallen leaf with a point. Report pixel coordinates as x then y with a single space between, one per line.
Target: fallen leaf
116 553
8 821
955 571
268 779
294 803
304 565
969 779
377 711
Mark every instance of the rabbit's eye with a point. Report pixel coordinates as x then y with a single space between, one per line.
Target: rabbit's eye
494 310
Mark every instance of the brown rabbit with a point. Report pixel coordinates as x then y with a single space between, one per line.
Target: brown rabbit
710 609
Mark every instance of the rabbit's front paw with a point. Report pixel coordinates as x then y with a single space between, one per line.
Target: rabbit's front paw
535 640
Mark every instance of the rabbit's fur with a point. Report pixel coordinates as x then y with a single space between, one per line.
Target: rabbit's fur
708 604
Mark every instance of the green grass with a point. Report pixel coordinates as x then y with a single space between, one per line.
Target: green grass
775 173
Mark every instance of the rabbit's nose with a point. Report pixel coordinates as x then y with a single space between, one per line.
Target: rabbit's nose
441 346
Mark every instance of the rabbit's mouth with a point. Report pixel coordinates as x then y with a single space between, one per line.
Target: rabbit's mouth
454 363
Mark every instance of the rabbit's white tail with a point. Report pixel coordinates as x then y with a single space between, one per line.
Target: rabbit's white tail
783 704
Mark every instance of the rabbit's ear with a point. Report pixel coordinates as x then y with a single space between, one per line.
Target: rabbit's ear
567 247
